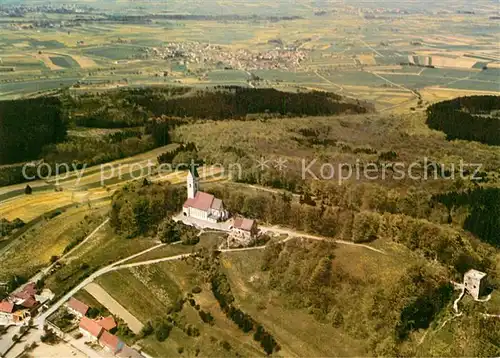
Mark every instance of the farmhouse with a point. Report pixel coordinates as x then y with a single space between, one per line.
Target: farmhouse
90 329
6 310
110 342
246 228
10 314
26 297
474 283
77 307
200 205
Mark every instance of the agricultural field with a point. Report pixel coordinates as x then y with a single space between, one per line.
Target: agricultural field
102 249
64 61
35 248
350 50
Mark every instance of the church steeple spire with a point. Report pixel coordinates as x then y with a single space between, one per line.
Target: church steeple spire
192 181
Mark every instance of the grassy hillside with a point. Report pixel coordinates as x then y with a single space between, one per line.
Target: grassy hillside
355 310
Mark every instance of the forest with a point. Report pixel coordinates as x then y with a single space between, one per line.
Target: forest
484 217
469 118
144 116
28 125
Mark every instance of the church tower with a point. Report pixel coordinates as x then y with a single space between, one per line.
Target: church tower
193 182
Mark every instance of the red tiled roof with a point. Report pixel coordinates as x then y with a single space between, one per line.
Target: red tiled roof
30 288
78 306
202 201
243 224
111 341
6 306
30 302
91 326
108 323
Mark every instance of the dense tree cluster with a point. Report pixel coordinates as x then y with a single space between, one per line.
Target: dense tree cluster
12 283
469 118
347 220
237 102
484 217
170 231
6 226
169 157
118 109
27 126
137 209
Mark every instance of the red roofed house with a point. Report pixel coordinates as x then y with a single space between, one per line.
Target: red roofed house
110 342
6 310
200 205
245 227
9 313
25 298
78 308
108 323
90 329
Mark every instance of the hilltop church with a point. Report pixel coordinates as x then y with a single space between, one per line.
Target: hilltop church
200 205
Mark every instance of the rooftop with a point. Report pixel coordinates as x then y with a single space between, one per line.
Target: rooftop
78 306
478 275
243 224
128 352
111 341
91 326
202 201
6 306
193 171
108 323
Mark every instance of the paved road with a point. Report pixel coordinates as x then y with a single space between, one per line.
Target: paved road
114 306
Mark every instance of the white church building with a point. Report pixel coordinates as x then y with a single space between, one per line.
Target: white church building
200 205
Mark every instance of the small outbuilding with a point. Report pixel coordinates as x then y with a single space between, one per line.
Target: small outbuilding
474 283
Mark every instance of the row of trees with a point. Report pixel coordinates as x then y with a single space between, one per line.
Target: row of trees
221 290
468 118
6 226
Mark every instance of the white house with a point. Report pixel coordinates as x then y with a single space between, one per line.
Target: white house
200 205
472 282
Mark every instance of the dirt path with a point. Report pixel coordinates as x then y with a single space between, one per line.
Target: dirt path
292 234
113 306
